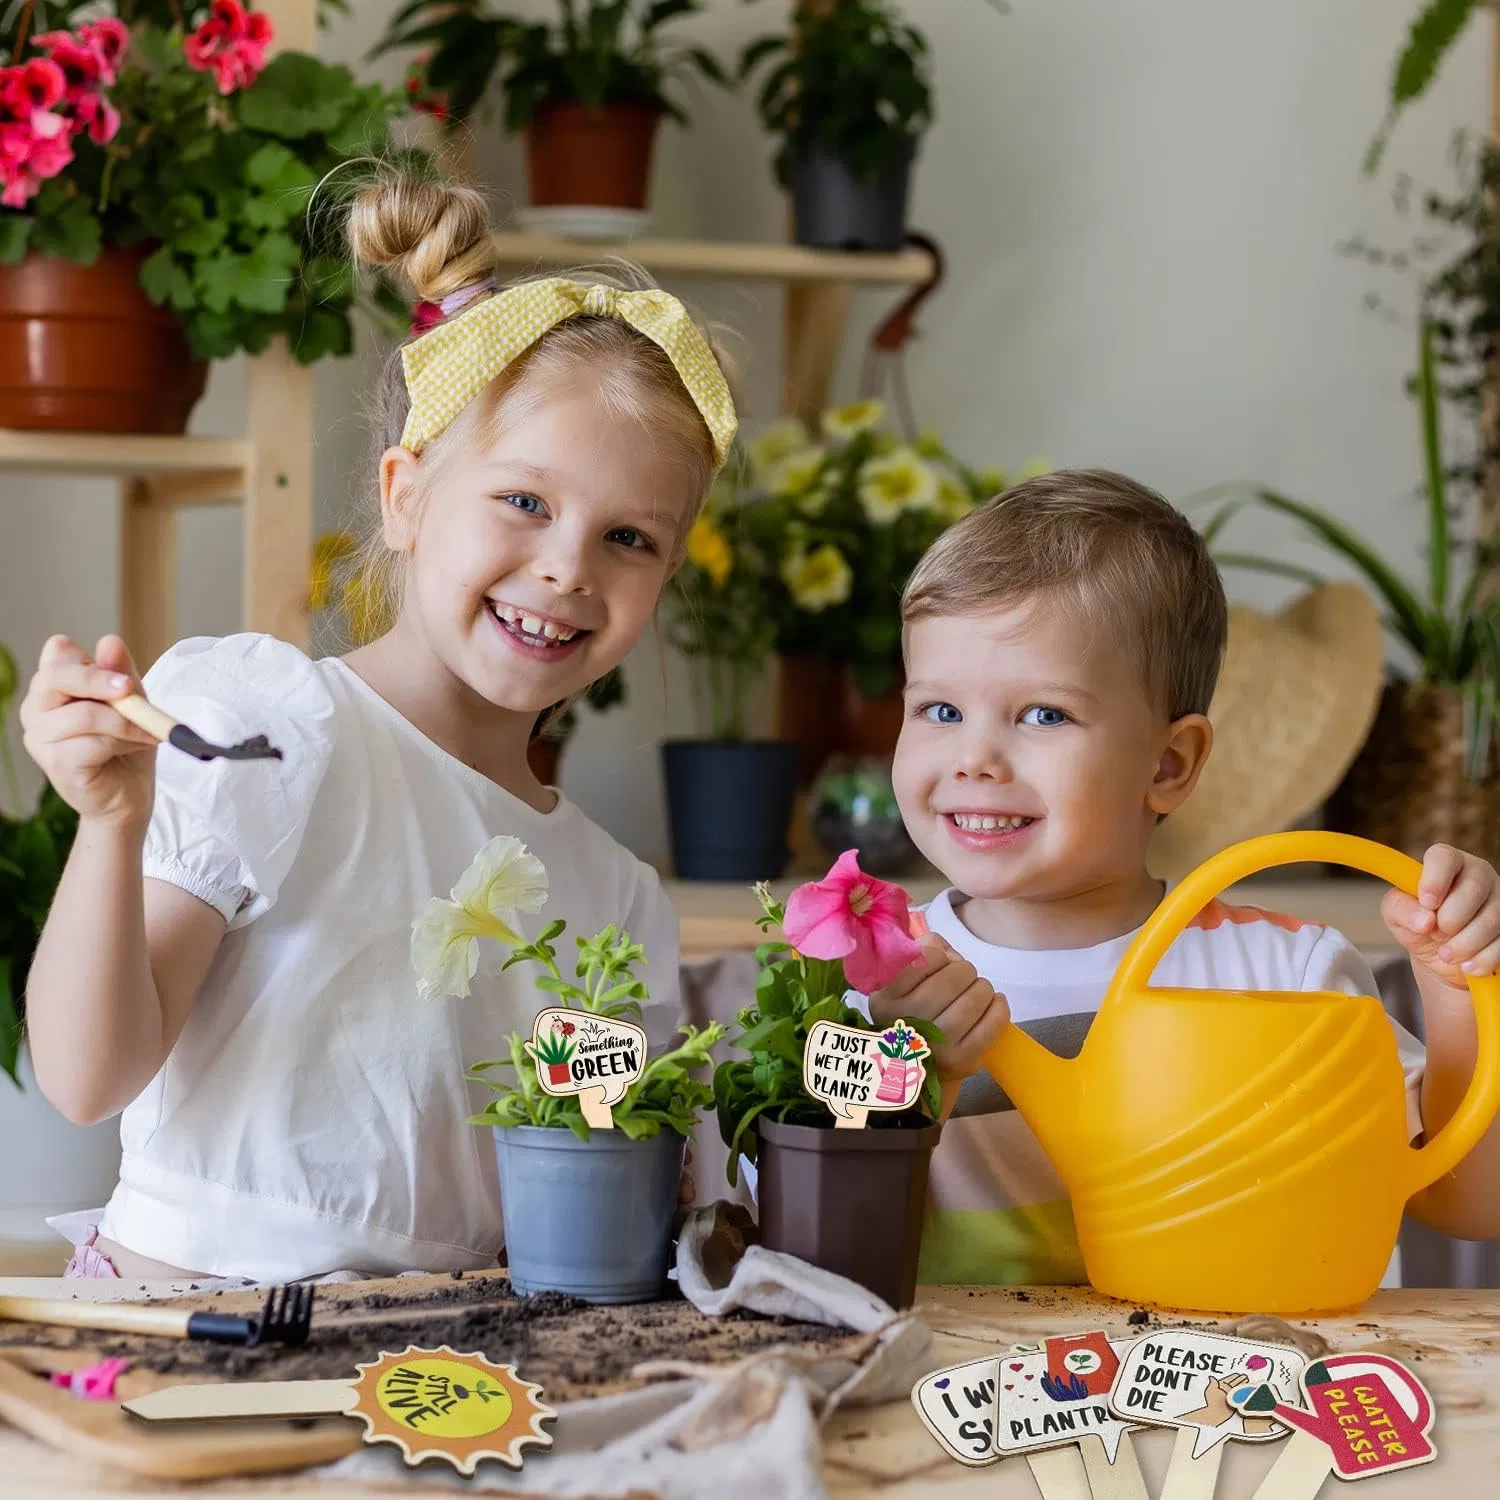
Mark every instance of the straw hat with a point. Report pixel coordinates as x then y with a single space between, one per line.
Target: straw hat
1293 706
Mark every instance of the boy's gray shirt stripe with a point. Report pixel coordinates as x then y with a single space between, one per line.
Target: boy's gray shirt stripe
979 1094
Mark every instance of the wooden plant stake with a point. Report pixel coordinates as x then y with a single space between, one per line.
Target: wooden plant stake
854 1071
430 1403
595 1057
1362 1415
1199 1384
1053 1397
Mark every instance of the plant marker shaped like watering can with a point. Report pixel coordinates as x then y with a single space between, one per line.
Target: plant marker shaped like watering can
1241 1152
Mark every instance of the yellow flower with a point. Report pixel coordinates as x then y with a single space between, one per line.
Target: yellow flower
895 482
796 473
1034 470
953 498
708 548
844 422
503 880
329 550
780 440
819 578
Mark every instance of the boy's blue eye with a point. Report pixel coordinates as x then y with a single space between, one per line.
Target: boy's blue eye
528 503
1043 717
628 536
942 713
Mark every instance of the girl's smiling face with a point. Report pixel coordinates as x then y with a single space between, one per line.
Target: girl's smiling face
1032 761
536 559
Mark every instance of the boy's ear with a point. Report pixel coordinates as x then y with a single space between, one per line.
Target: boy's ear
399 493
1189 739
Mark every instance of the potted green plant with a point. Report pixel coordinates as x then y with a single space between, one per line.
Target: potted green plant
729 796
586 90
155 175
847 91
62 1167
1435 727
851 1201
836 523
587 1211
852 805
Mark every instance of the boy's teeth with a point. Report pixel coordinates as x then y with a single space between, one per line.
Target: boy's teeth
982 823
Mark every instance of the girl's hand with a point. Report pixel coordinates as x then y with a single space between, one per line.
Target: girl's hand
946 990
1453 927
100 763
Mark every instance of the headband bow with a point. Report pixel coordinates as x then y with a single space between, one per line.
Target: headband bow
450 364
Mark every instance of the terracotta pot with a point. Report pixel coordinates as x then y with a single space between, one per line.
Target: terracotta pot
597 157
83 349
819 707
1409 787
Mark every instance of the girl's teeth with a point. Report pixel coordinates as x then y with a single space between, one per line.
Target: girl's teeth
531 625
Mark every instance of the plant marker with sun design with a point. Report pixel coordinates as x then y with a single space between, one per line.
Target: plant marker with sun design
432 1404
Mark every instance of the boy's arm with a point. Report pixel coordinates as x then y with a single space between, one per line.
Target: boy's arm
1465 1203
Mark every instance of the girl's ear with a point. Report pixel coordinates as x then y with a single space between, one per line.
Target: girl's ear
399 494
1189 739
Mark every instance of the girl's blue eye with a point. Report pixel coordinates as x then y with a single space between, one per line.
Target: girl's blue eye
528 503
628 536
1043 717
942 713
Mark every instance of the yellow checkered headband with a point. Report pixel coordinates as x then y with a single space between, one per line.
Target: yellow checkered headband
449 365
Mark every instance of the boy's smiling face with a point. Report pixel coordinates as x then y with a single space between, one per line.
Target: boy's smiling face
1033 764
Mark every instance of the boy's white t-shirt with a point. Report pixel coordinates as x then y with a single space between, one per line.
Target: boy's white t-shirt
997 1211
314 1114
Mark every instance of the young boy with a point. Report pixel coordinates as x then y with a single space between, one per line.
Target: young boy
1062 643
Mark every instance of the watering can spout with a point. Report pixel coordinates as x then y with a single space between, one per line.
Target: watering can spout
1042 1085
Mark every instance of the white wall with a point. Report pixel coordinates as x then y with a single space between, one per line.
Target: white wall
1141 204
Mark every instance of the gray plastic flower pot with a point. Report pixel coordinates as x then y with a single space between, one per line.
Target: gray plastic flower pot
592 1218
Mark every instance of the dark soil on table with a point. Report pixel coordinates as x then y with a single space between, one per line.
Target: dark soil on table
570 1347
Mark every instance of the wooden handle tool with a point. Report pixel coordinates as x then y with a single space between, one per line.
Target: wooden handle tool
286 1318
163 727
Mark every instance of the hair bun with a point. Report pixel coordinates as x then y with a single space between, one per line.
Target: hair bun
434 234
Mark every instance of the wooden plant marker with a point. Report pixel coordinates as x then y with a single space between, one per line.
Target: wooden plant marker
595 1057
429 1403
854 1071
1199 1384
1362 1415
1052 1398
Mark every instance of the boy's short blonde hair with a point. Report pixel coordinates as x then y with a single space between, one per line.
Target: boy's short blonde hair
1102 544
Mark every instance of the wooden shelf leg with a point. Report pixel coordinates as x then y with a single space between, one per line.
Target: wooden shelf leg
278 496
815 316
148 571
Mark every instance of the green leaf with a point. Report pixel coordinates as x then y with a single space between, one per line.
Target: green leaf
164 281
15 235
296 96
274 169
10 1026
74 233
1272 565
1434 32
1437 484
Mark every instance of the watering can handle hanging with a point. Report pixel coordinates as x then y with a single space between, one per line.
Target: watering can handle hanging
1477 1108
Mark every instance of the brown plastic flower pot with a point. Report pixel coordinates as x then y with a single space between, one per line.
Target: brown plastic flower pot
600 158
83 349
850 1201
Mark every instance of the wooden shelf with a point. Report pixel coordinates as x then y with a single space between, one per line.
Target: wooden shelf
789 264
118 456
721 918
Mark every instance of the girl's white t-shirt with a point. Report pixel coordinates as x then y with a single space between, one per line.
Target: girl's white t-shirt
314 1114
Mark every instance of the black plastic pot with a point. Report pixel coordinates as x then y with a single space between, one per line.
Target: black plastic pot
834 209
730 805
850 1201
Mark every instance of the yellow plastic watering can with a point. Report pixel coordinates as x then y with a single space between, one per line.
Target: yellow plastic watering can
1241 1152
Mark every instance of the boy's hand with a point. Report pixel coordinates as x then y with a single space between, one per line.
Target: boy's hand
945 989
100 763
1453 927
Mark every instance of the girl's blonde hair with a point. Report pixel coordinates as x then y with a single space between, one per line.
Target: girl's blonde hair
437 237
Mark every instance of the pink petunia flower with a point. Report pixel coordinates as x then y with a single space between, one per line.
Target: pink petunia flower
852 916
231 44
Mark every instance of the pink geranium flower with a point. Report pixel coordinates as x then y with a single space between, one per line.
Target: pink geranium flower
99 117
109 40
231 44
852 916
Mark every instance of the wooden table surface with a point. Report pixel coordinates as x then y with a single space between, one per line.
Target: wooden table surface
1450 1338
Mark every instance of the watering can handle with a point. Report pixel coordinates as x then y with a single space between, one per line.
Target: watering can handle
1478 1106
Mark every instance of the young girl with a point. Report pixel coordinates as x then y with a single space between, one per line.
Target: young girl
228 956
